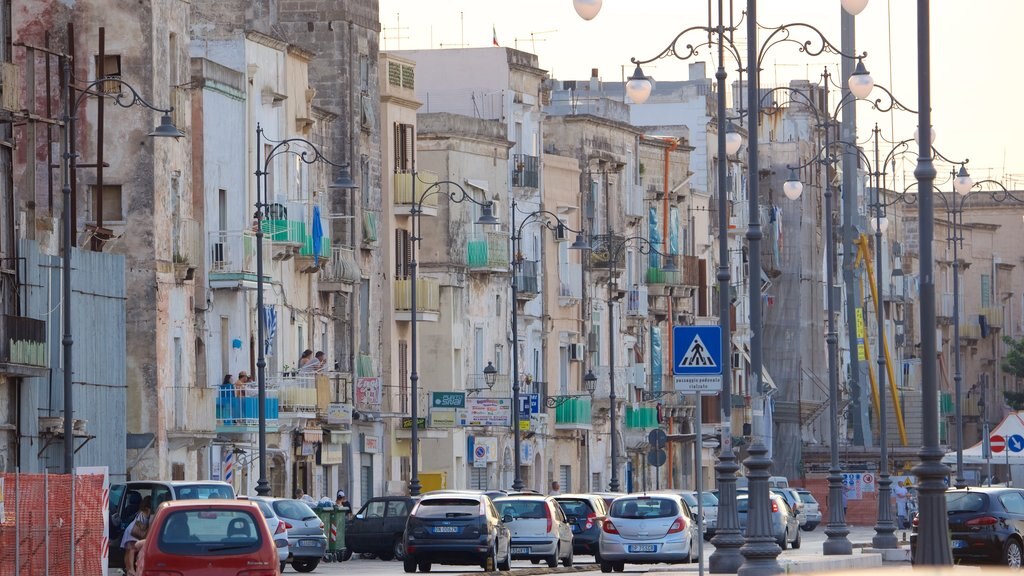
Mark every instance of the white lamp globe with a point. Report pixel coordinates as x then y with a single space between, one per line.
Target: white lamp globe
792 188
638 87
880 224
854 7
733 141
587 9
860 82
917 140
963 181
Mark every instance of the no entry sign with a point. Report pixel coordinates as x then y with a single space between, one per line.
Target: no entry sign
997 442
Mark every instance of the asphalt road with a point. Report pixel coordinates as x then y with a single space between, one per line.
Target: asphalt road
812 542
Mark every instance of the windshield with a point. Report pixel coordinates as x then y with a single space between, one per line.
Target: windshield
535 509
209 532
203 492
638 508
293 509
708 499
448 508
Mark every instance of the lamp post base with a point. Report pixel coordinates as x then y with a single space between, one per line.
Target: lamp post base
728 539
760 551
262 487
837 531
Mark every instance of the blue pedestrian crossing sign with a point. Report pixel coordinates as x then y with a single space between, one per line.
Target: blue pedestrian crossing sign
696 350
697 358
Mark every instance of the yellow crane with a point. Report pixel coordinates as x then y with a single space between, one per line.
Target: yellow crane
864 253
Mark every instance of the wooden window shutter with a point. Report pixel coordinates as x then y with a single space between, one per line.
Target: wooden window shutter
396 141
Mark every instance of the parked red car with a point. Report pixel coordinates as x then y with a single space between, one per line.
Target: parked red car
208 538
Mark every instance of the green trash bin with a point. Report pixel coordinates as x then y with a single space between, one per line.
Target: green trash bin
334 528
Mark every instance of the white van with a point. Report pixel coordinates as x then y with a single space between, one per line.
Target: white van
778 482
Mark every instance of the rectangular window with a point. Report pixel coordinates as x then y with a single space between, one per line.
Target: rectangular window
563 370
403 376
477 478
403 253
986 290
110 67
405 147
499 351
222 210
107 204
565 477
595 482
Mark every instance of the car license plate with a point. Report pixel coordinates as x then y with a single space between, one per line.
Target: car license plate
642 547
309 542
959 543
517 550
445 529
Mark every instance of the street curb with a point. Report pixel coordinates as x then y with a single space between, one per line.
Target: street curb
584 567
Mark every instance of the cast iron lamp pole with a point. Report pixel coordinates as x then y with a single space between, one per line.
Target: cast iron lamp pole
308 153
551 221
933 547
614 248
69 163
486 218
760 550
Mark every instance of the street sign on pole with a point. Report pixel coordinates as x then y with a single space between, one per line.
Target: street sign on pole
657 438
657 458
697 358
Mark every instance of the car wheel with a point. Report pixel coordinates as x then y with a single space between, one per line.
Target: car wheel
689 555
606 566
283 564
534 560
346 555
305 565
424 566
410 565
1012 554
808 527
386 556
506 564
796 542
490 564
620 566
553 559
567 561
785 537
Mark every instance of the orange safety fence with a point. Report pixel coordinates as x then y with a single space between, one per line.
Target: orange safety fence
36 523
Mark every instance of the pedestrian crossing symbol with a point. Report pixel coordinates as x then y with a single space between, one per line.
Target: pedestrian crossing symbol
696 351
697 356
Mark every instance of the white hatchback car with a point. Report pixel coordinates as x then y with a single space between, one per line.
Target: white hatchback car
540 530
647 529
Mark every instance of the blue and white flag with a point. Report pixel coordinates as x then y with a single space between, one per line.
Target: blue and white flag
270 324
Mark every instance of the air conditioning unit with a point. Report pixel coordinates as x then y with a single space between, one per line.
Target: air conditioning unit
576 352
561 234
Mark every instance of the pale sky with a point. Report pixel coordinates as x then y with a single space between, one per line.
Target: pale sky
976 82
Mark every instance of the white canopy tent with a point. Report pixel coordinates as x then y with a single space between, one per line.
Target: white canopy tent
1012 425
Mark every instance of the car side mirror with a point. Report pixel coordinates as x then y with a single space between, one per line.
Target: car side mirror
507 518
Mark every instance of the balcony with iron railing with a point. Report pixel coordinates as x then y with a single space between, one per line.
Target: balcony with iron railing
525 171
238 412
641 417
428 299
297 393
993 316
603 248
526 279
574 413
22 346
636 302
233 259
488 252
190 410
409 188
340 272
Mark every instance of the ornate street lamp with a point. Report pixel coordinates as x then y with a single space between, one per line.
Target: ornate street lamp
308 153
552 222
589 385
69 164
486 218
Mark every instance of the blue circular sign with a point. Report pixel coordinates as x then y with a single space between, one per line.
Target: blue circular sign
1015 443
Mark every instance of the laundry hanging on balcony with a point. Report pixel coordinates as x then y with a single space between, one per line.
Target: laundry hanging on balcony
318 235
270 324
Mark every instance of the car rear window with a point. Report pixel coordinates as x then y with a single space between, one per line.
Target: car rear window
708 499
265 508
965 502
741 504
644 508
807 498
448 508
530 509
293 509
575 507
203 492
209 532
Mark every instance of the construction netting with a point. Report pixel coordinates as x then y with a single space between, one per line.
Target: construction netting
53 524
